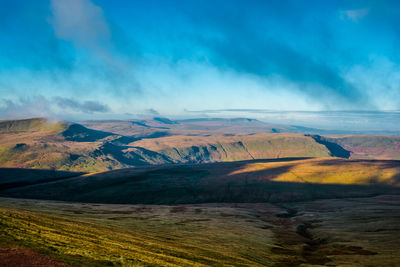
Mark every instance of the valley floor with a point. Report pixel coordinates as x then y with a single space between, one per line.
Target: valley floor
335 232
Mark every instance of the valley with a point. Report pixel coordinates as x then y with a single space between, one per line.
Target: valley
58 145
202 192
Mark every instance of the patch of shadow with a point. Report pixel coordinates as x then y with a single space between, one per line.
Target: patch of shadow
164 120
198 210
131 217
21 147
334 149
155 135
74 211
178 209
143 209
192 220
140 157
79 133
288 214
312 251
74 156
140 124
349 250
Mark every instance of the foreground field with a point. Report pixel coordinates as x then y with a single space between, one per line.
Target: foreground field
345 232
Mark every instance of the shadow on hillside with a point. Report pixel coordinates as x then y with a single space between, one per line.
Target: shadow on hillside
334 149
188 184
17 177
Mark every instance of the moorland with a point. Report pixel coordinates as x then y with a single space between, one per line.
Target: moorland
199 192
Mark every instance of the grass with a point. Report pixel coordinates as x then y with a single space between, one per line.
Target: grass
42 144
137 235
232 148
330 171
31 125
344 232
370 146
248 181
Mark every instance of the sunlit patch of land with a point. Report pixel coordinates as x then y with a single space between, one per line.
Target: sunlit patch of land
328 171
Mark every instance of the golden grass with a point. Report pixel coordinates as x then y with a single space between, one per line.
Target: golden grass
131 236
328 171
345 232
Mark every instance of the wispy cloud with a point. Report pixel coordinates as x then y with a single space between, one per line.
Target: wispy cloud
80 21
84 107
27 107
354 14
57 107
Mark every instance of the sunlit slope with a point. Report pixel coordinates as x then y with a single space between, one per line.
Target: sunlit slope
333 232
31 125
233 148
109 235
248 181
44 144
329 171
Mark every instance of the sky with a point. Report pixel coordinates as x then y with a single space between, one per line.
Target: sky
103 58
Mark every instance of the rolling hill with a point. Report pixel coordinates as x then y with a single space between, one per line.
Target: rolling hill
39 143
45 144
260 197
246 181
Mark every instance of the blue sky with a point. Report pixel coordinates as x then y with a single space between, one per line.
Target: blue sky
94 58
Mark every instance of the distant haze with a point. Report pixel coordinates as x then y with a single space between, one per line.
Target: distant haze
332 120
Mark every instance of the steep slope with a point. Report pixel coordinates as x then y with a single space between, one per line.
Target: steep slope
197 149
